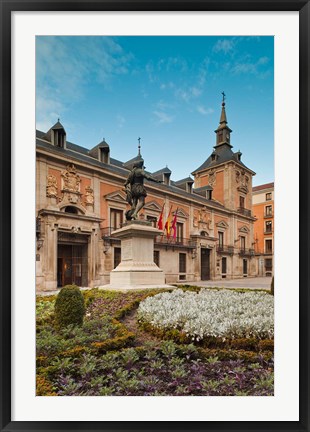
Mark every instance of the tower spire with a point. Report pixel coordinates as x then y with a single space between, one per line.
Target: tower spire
223 131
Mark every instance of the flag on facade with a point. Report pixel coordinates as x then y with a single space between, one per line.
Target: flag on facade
167 224
160 223
174 224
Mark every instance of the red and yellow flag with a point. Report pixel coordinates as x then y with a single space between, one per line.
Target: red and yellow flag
174 224
167 224
160 224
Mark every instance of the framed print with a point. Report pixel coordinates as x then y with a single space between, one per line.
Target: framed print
152 275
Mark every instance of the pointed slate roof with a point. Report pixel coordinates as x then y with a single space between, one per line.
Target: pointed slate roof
165 170
57 125
223 154
184 181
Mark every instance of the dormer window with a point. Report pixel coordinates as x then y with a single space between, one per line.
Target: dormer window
213 156
59 138
166 178
189 187
209 194
57 135
104 155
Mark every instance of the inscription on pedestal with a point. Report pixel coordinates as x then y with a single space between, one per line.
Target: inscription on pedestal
126 250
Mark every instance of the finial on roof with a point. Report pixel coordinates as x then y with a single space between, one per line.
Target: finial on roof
139 147
58 119
223 118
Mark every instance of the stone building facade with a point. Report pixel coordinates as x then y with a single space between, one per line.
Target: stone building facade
263 209
80 200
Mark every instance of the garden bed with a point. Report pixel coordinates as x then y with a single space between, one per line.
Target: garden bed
112 355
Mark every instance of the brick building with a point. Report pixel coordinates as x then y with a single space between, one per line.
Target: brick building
263 210
80 200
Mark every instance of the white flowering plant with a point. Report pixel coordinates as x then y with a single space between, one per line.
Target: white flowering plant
225 314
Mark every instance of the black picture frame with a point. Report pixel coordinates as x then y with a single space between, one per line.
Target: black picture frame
7 7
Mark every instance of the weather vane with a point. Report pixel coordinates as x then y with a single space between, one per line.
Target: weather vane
223 96
139 146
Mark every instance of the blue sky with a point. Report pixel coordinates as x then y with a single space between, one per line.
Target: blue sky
166 90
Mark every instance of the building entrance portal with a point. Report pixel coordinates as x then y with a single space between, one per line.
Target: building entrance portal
205 264
72 264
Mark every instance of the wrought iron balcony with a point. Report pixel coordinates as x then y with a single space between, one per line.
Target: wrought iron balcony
244 211
174 242
268 214
223 249
247 252
160 240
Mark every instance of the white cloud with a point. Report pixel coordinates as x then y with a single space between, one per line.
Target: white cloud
204 111
163 117
65 65
251 67
224 45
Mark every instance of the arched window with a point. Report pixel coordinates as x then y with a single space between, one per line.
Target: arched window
70 209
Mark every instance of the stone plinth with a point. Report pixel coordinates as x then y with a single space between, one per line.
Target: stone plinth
137 267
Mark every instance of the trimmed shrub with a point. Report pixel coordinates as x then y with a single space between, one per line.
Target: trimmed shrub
69 307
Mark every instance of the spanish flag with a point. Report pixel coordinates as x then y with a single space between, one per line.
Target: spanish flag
160 224
167 224
174 224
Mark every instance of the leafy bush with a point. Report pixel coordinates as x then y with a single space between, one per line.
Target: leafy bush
51 342
220 314
69 307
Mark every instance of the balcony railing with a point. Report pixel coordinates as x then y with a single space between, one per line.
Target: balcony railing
268 214
159 240
244 211
223 249
247 252
174 242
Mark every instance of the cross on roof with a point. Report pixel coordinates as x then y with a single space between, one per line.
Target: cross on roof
139 146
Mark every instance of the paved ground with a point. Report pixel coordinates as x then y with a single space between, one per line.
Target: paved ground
252 283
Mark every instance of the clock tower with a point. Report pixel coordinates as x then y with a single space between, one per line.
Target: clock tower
229 180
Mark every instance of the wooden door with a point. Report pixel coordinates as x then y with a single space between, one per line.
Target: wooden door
205 264
245 267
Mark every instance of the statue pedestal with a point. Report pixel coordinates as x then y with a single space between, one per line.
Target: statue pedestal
137 267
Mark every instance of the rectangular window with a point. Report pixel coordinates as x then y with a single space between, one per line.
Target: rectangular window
268 264
182 263
242 243
268 196
268 227
241 202
268 210
268 246
156 257
153 220
116 218
180 232
221 240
